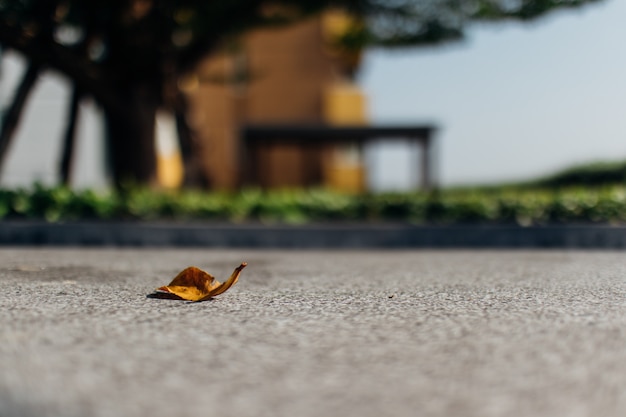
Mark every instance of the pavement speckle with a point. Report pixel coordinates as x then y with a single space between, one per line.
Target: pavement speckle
310 333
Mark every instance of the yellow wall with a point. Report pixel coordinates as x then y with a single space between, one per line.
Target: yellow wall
292 76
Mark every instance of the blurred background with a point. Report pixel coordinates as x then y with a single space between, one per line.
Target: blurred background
514 101
511 101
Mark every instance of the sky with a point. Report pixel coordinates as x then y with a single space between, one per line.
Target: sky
512 101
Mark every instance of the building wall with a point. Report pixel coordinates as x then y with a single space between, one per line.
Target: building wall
273 76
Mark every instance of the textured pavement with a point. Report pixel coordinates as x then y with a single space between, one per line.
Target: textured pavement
314 333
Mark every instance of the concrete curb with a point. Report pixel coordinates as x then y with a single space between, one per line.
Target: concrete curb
384 235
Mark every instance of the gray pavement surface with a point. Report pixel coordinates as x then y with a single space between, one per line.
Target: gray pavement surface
315 333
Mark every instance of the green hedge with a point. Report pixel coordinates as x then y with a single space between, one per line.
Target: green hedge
526 206
591 174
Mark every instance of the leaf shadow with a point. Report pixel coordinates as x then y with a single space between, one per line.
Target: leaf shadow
170 296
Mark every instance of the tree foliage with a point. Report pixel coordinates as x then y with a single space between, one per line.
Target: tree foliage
129 55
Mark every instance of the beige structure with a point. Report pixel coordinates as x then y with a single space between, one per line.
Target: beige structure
290 75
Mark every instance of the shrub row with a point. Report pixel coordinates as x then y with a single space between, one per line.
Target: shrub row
525 207
591 174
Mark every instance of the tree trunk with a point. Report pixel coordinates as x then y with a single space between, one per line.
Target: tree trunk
69 137
130 137
194 175
11 118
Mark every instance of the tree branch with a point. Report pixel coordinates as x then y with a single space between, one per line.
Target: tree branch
12 116
83 72
69 139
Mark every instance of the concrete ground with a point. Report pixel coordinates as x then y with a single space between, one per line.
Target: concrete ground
314 333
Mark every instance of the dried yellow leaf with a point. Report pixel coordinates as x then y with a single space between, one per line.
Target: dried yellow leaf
193 284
